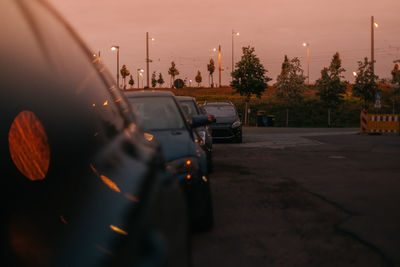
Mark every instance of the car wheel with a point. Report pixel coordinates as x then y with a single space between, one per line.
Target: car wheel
210 162
207 220
239 139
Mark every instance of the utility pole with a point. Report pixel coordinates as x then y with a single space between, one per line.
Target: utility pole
307 45
219 64
372 44
233 58
147 59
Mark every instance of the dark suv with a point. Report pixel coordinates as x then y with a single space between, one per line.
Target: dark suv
81 185
191 108
227 126
164 120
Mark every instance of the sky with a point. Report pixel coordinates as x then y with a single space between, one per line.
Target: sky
186 31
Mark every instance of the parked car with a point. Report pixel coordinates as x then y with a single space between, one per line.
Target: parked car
81 185
163 118
191 108
228 126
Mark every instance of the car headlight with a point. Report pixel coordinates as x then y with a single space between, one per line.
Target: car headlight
186 166
203 135
236 124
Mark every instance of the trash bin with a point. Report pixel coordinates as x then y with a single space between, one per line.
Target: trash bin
270 120
261 118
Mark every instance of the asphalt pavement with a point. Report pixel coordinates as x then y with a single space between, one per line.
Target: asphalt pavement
304 197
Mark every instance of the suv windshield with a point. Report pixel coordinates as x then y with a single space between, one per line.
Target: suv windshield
220 111
158 113
189 107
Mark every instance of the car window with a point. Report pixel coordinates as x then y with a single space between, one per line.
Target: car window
190 108
220 111
158 113
87 93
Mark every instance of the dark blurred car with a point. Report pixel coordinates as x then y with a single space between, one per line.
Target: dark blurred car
227 126
163 118
81 186
191 108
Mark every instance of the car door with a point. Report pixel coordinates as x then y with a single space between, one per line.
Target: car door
85 199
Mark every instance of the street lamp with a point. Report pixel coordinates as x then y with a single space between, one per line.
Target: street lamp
233 59
116 48
373 25
148 60
308 61
141 76
139 73
220 69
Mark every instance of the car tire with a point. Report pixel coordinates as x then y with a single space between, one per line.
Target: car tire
210 162
206 222
239 139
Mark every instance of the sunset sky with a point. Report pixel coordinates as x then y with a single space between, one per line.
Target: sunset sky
186 31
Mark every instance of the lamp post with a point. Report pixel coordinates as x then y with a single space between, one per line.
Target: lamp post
116 48
373 25
308 61
219 65
139 73
233 59
147 58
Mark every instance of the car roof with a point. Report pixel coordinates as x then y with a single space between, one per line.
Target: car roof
144 93
218 104
185 98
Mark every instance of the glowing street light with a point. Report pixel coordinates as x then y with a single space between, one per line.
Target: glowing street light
373 25
139 73
220 69
308 61
233 59
355 74
116 48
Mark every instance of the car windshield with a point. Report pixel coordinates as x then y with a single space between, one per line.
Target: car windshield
189 107
158 113
220 111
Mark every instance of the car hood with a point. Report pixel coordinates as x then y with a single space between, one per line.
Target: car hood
175 144
226 119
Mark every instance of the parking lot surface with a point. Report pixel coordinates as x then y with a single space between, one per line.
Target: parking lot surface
304 197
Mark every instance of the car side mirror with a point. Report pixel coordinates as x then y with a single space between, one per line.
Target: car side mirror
200 120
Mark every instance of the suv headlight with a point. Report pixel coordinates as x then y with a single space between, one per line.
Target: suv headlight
236 124
187 166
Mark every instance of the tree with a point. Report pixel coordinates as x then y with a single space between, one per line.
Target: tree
173 71
365 86
160 79
211 69
124 73
249 76
290 83
396 74
198 78
396 84
330 86
131 81
153 79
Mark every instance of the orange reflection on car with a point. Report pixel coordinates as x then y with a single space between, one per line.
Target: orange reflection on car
29 146
113 186
118 230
